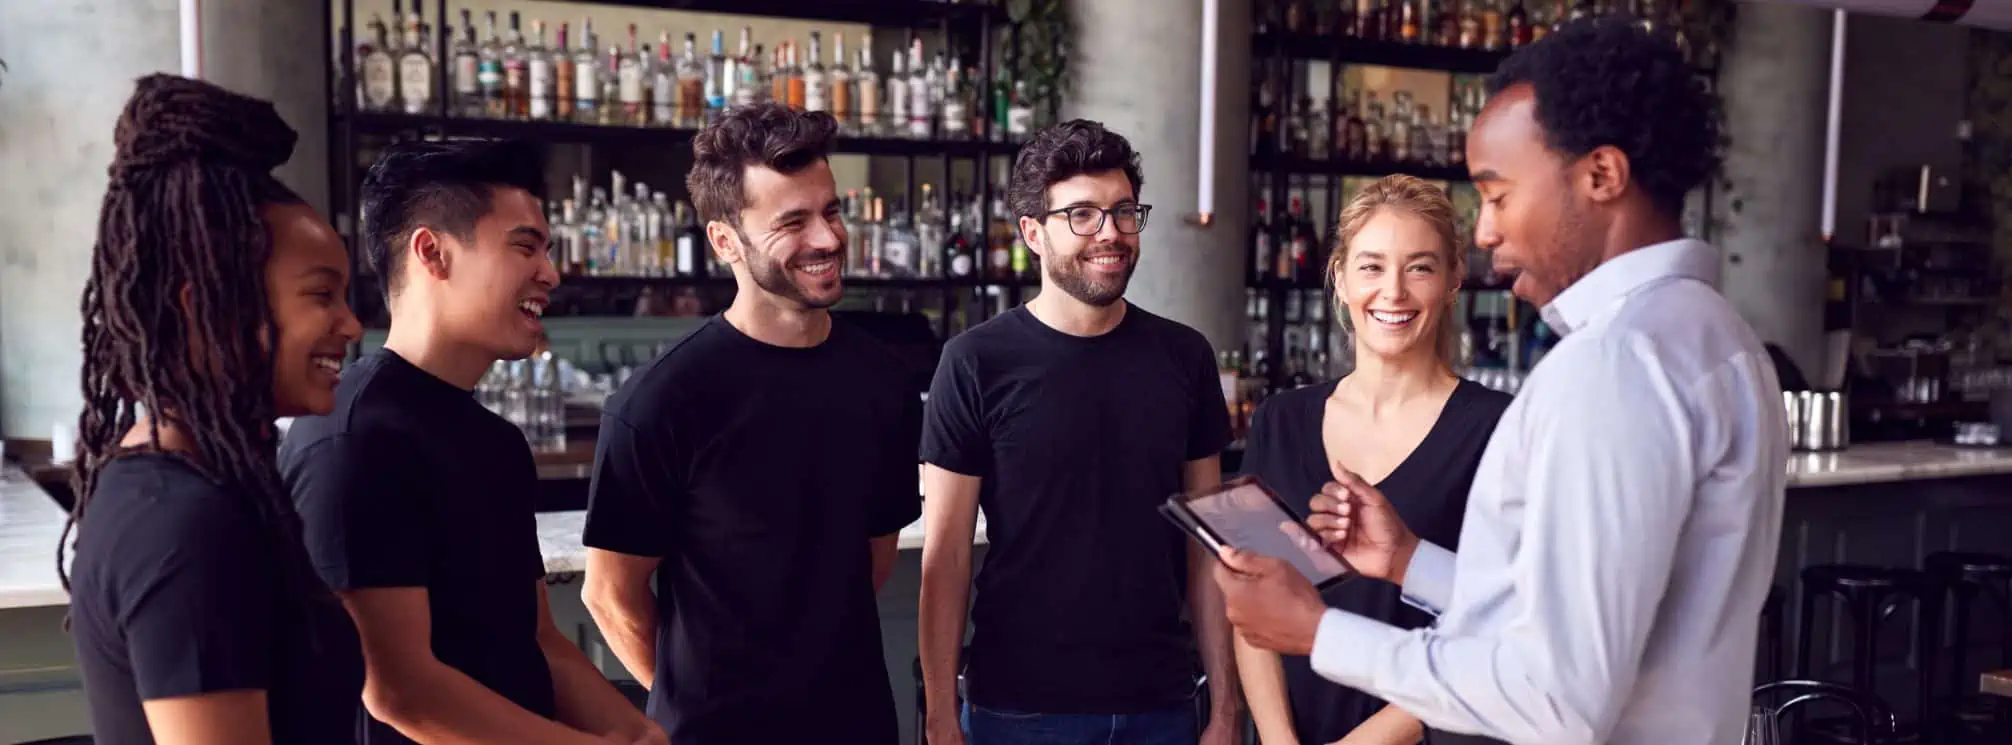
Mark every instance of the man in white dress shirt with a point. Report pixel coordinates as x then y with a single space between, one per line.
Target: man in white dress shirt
1621 534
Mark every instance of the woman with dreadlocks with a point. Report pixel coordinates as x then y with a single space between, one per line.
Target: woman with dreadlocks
215 305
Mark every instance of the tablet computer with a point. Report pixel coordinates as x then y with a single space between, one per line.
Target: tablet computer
1246 515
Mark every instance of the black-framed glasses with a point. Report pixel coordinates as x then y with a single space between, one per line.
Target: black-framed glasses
1086 221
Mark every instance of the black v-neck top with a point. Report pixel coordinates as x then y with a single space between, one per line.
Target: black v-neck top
1428 488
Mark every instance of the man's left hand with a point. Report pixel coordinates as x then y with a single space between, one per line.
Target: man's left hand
1269 602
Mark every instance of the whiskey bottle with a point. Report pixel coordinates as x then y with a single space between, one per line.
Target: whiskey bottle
1494 33
1470 24
379 91
1410 28
564 75
1446 23
415 69
516 73
691 98
816 94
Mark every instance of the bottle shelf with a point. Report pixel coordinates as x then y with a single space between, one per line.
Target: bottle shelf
395 124
1353 51
889 13
1303 166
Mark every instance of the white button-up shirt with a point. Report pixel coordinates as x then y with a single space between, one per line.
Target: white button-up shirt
1620 537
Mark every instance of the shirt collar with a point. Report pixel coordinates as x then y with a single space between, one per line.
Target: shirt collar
1622 275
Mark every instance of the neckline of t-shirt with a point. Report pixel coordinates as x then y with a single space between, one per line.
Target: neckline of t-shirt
1026 316
420 374
742 337
1451 409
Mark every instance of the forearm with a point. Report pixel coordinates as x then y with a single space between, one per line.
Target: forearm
584 698
627 618
946 594
1212 635
434 704
1388 726
1263 679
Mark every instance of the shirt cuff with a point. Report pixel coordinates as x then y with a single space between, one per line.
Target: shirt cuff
1346 647
1428 580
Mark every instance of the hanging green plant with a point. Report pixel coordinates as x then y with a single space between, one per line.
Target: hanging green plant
1043 30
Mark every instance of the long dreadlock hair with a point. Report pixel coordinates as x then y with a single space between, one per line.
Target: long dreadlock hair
176 318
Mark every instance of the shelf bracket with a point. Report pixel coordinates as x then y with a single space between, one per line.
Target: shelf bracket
1204 215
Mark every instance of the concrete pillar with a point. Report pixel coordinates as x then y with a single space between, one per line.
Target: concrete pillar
71 67
1136 67
1775 84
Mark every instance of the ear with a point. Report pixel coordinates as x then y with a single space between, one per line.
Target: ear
726 241
1035 238
427 249
1606 174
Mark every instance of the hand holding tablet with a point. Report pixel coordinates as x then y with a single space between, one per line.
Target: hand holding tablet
1245 515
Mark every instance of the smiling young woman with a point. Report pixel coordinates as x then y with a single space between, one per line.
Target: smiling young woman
1402 419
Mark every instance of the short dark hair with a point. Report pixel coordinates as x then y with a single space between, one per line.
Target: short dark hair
1607 81
446 185
1063 152
766 134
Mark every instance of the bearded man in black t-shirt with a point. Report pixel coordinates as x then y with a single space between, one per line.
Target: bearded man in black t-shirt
1068 421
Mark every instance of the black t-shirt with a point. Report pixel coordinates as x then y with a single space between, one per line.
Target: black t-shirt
758 473
1429 490
410 482
1080 605
176 591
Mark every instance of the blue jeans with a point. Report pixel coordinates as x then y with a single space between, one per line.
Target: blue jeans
1175 726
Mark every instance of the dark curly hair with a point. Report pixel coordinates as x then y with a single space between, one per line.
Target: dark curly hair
763 134
1607 81
175 310
1063 152
446 186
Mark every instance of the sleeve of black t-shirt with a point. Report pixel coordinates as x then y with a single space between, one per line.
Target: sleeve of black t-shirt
201 613
1209 433
953 433
635 483
363 511
898 504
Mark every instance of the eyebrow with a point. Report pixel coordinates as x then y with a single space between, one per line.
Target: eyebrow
1413 256
1487 174
791 215
527 231
320 272
1093 203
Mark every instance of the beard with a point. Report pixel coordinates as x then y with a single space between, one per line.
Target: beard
775 278
1071 278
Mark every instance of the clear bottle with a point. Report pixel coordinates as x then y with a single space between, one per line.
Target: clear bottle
516 73
1425 137
931 233
415 69
642 233
855 232
747 74
489 70
664 84
1400 129
1020 114
868 82
379 91
956 122
631 81
467 68
902 246
587 77
593 223
921 113
816 94
611 87
896 122
839 81
540 74
716 76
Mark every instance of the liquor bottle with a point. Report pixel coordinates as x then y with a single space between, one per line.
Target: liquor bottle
716 76
763 73
415 69
1470 24
587 76
1446 23
631 77
564 75
961 249
816 94
1263 263
1019 114
1425 137
838 80
876 243
467 66
642 245
664 235
896 123
997 237
516 73
1375 134
1296 12
1494 32
1455 142
931 234
921 100
1401 129
379 91
799 85
691 84
1520 30
868 82
747 74
1357 129
1393 20
611 88
855 231
956 121
1410 27
664 84
538 71
1317 129
1264 111
691 243
489 70
1369 20
1301 243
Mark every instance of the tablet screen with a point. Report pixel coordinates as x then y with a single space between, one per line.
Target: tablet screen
1248 517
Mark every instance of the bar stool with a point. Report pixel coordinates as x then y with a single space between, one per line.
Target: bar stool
1869 716
1868 595
1967 575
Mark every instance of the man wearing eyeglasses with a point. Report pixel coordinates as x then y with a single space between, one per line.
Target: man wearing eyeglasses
1068 420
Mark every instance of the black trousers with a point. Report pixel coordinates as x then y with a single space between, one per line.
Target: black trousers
1435 737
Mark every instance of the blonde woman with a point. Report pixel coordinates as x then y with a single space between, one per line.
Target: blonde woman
1402 420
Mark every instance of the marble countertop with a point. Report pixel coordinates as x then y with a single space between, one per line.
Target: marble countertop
30 523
